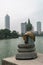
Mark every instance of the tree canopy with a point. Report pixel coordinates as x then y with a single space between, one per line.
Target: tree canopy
5 34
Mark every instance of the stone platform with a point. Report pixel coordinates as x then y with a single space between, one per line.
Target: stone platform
13 61
26 56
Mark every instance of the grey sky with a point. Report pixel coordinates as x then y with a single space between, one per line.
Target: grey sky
19 11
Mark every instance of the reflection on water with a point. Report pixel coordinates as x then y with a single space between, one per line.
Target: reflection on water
39 44
9 47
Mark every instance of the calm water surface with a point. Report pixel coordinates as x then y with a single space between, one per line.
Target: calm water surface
9 47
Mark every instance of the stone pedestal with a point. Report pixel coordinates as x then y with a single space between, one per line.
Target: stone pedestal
13 61
26 56
27 50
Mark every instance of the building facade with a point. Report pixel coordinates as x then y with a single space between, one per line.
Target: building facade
7 22
39 27
23 28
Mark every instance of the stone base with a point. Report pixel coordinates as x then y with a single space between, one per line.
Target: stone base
26 50
28 45
13 61
26 56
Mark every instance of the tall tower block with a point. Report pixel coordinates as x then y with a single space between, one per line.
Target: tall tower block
39 27
23 28
7 22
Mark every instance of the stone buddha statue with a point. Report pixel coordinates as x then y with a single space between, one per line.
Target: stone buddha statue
29 36
27 50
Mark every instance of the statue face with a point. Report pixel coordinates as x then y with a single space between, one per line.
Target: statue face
28 39
29 34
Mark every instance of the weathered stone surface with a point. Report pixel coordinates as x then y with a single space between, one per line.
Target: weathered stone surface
26 45
26 56
4 62
13 61
26 50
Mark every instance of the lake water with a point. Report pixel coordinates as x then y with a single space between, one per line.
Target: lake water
9 47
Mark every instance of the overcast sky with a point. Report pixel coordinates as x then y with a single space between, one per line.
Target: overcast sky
19 11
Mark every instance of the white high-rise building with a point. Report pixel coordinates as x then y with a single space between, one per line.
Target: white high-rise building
39 27
7 22
23 28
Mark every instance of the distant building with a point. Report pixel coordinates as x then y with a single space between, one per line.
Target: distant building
39 27
7 22
23 28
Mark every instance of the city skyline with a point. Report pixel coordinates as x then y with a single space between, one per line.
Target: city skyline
7 23
19 11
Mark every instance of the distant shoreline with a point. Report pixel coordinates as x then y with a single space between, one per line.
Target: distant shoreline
8 38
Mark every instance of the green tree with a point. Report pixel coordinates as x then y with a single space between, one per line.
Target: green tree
15 34
1 34
7 33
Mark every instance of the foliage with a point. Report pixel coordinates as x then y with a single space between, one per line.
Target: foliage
6 34
14 34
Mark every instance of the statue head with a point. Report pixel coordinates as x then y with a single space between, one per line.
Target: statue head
28 35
